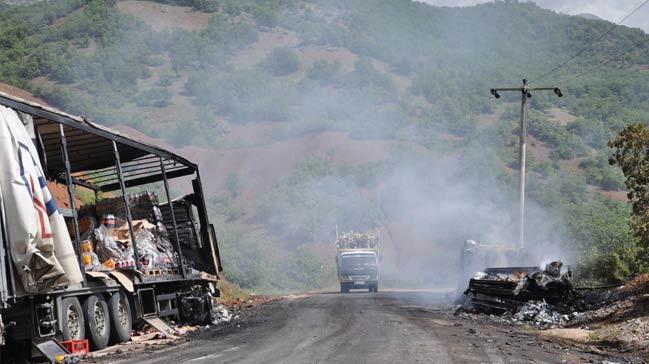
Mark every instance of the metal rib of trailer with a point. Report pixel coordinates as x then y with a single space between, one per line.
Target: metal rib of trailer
78 152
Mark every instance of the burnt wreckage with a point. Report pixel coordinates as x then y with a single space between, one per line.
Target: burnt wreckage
92 272
499 290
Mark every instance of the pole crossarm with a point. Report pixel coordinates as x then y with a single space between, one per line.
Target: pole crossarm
508 89
520 89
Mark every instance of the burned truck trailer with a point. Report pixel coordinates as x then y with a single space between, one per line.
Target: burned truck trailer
71 274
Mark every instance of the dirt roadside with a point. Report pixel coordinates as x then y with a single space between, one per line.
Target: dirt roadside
621 325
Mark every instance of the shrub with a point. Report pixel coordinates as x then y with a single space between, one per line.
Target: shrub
165 81
282 61
325 72
265 16
158 97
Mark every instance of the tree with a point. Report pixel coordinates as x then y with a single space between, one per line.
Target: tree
631 148
282 61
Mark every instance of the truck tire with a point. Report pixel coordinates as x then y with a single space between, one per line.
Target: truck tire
121 320
95 310
374 288
72 319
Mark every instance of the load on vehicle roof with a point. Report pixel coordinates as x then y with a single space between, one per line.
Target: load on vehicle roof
354 241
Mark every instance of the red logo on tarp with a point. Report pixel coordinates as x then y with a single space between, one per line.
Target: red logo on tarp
41 211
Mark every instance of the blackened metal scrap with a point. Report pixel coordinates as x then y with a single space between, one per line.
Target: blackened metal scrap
547 284
498 290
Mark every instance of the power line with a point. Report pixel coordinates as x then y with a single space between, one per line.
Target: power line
617 58
610 29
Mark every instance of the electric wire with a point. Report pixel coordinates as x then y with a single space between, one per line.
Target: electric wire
613 59
585 48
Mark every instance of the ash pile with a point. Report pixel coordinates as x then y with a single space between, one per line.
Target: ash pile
544 298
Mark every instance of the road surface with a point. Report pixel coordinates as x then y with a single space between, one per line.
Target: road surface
384 327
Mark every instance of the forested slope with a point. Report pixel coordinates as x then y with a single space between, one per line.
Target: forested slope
362 114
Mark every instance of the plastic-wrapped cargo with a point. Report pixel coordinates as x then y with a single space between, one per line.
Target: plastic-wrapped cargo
142 206
155 250
107 245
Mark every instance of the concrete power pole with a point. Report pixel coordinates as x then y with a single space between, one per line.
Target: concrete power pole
525 94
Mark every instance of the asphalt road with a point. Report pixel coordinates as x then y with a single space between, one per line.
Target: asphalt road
384 327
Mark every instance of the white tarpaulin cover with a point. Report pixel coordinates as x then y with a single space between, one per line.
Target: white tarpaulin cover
37 235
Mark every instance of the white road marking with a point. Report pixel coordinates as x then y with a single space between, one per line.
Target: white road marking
212 356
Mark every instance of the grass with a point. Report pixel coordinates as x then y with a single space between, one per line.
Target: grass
231 292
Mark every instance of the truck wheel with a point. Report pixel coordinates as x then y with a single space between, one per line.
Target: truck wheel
121 320
72 320
344 288
95 310
375 288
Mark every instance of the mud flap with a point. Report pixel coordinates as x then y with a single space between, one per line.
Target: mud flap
50 349
161 326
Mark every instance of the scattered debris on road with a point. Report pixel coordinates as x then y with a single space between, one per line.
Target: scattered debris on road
221 315
226 312
610 317
542 315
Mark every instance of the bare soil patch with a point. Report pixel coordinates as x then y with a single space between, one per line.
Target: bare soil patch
256 133
571 164
162 16
612 195
486 120
539 150
620 324
262 166
570 334
312 54
562 116
17 92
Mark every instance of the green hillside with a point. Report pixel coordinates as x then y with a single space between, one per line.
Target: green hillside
359 114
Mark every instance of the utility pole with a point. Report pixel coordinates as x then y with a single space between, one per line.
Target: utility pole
525 94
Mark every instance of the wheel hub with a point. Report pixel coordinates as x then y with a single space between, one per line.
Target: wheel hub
122 313
100 318
73 323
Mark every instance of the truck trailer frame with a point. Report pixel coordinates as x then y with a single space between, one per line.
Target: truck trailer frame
77 152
